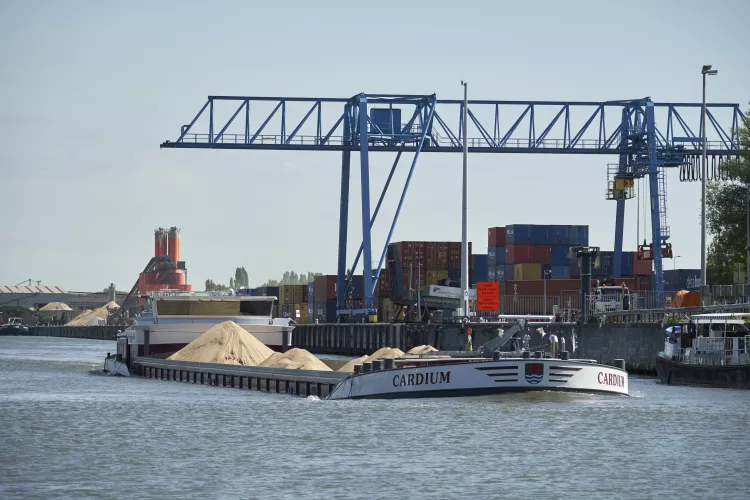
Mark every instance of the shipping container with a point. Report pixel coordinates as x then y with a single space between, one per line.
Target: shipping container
509 270
641 267
553 288
491 274
523 272
539 235
325 310
519 234
311 312
626 264
541 254
682 279
500 273
431 255
559 235
546 272
519 254
311 292
435 275
559 255
496 256
603 265
560 272
480 265
579 235
496 237
325 287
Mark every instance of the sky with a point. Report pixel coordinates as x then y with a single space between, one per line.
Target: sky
88 91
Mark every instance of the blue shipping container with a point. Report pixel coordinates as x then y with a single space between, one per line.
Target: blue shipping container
509 272
540 235
270 291
325 311
626 264
603 265
311 292
682 279
560 272
519 234
491 276
560 255
255 292
559 235
311 312
500 273
481 264
496 256
579 235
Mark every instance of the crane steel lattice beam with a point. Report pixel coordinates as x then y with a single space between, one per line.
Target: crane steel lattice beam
646 136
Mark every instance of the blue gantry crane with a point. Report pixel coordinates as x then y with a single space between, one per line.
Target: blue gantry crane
414 124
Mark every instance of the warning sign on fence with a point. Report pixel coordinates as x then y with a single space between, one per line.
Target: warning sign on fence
488 296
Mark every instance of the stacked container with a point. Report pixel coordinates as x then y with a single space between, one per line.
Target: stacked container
324 299
545 245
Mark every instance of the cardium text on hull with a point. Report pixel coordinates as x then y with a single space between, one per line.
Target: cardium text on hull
476 377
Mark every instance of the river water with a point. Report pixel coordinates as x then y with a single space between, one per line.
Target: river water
67 434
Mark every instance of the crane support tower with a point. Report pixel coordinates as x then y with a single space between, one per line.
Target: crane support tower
400 124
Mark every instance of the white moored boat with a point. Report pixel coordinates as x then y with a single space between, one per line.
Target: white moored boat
441 377
173 320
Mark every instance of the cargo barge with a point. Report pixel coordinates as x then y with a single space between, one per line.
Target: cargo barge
712 350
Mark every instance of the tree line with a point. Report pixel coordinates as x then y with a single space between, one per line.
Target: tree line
727 206
241 279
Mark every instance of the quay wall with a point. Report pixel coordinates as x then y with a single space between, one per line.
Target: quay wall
638 344
76 332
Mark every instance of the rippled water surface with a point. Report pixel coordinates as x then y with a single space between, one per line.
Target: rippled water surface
67 434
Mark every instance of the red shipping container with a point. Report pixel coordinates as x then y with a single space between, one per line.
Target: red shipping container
431 255
325 287
420 253
519 254
554 288
496 237
641 267
540 254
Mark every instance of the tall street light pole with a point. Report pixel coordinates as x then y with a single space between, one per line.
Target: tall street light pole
464 242
705 71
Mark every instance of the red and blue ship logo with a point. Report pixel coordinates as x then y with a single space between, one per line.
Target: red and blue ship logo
534 372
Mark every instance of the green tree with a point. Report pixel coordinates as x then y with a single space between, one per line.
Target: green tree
727 203
231 282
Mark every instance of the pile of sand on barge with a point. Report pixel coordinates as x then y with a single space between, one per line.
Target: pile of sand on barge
384 353
421 349
295 359
349 366
226 343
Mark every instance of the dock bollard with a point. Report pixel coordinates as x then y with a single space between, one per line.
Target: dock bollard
526 355
620 363
538 354
366 367
564 355
357 369
389 364
377 365
495 355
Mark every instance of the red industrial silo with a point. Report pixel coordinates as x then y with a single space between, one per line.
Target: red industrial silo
160 242
173 249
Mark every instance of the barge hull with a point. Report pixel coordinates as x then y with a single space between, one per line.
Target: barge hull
676 373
